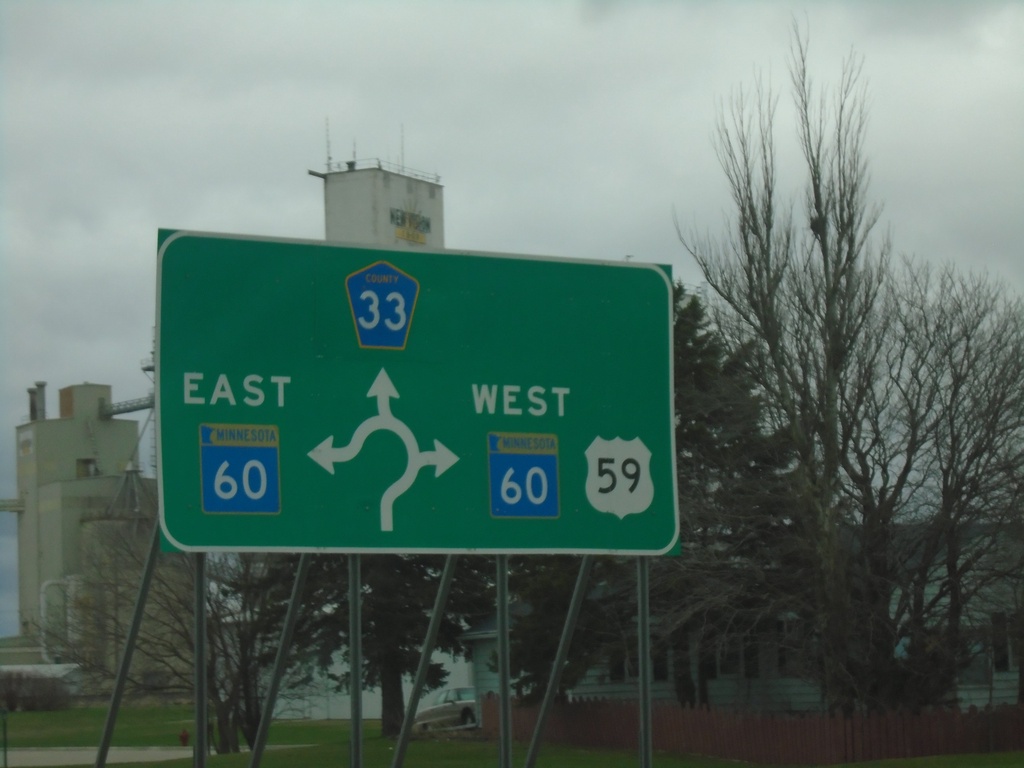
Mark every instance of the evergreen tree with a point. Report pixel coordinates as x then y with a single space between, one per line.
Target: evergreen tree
733 576
541 589
398 593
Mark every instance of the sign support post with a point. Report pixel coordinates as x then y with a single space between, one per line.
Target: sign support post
643 572
355 645
129 649
284 646
443 589
568 629
504 684
202 746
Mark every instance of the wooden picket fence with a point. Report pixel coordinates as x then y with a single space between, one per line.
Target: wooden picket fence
808 739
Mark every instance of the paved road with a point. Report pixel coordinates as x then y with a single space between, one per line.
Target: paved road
20 758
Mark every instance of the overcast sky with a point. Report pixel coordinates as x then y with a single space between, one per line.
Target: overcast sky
558 128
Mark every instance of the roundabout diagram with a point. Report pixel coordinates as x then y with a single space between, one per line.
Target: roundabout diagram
441 458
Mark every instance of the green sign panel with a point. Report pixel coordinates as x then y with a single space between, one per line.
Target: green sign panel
318 397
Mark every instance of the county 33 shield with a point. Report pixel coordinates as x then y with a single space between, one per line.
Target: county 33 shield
619 476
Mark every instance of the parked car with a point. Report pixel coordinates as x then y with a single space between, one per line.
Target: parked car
448 708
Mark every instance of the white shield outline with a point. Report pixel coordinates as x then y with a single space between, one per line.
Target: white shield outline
607 486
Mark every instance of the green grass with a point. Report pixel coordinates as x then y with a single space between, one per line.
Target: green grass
159 726
82 727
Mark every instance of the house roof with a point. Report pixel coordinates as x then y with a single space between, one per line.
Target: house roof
54 671
485 629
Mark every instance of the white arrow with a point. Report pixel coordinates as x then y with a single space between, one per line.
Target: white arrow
326 455
440 457
383 390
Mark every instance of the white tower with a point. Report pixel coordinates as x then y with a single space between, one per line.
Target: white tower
380 203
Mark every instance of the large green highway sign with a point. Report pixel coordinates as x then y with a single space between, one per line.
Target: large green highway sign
318 397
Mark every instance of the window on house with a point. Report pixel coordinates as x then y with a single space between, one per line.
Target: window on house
732 653
707 667
751 658
623 665
1000 643
977 671
617 665
86 468
659 663
1016 632
790 638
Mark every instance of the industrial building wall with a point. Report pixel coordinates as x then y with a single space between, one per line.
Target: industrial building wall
46 573
378 207
66 467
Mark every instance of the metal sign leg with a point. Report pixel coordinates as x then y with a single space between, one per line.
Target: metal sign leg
586 565
129 650
504 684
199 635
279 663
355 645
443 588
643 572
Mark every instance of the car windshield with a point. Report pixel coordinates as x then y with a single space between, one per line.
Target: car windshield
449 695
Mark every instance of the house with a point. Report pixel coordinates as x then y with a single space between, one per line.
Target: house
766 674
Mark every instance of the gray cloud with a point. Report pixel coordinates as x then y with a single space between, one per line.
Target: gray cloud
562 129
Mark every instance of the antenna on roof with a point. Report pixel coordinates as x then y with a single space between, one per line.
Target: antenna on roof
401 149
327 120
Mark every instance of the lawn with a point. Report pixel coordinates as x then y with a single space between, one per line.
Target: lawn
82 727
328 744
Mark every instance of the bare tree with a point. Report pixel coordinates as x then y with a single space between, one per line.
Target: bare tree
245 606
800 297
966 561
898 398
